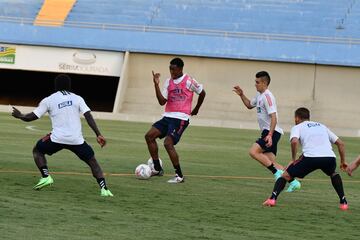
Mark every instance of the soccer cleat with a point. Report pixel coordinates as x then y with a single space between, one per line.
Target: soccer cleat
278 174
344 206
269 202
176 179
106 193
157 173
44 182
293 186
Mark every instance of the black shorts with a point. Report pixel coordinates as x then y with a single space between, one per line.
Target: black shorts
275 139
305 165
46 146
172 127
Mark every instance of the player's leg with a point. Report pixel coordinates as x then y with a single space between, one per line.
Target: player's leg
158 130
278 188
272 157
328 166
42 147
86 153
257 152
261 153
175 131
299 168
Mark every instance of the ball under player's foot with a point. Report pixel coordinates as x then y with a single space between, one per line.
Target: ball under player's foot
293 186
106 193
43 182
269 202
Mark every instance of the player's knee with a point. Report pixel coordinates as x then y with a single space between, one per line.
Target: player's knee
334 174
148 137
286 176
252 153
36 152
168 144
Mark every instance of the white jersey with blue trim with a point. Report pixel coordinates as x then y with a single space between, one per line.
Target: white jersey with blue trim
64 109
315 139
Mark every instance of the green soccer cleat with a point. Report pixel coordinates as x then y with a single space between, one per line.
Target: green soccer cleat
293 186
106 193
44 182
278 174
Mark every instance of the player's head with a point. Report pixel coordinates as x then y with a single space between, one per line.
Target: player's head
62 82
302 114
262 81
176 68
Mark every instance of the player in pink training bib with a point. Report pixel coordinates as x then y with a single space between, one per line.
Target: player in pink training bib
177 95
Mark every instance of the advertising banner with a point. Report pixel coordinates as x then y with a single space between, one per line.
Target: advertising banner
7 55
55 59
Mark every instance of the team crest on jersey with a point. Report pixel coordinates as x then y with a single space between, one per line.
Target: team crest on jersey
65 104
310 125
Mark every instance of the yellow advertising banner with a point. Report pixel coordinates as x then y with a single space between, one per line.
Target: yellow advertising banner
7 55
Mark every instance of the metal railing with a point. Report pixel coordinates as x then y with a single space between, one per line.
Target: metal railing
185 31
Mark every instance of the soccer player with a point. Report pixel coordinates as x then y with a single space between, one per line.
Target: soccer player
353 166
265 148
64 108
316 141
177 95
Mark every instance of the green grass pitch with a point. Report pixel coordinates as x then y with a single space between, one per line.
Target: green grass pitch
221 198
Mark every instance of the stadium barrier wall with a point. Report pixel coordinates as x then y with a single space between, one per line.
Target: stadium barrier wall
330 92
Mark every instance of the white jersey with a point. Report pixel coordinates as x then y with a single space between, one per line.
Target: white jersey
64 109
315 138
265 105
193 86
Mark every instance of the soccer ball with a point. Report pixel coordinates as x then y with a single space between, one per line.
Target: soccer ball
143 172
151 165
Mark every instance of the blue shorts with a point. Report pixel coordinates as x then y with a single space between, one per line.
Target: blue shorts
46 146
305 165
172 127
275 139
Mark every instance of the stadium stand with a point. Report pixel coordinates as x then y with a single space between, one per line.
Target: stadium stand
277 30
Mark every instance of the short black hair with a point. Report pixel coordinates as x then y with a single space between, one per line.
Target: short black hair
62 82
302 113
264 75
177 62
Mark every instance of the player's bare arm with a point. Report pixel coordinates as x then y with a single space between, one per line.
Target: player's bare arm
244 99
273 123
341 148
25 117
353 166
199 103
91 122
294 147
159 96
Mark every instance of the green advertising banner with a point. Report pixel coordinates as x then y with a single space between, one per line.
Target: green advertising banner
7 55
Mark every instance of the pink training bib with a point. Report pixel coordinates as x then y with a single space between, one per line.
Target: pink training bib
179 97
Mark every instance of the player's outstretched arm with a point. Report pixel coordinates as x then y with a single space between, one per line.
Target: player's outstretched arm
341 148
199 103
91 122
159 96
353 166
25 117
244 99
